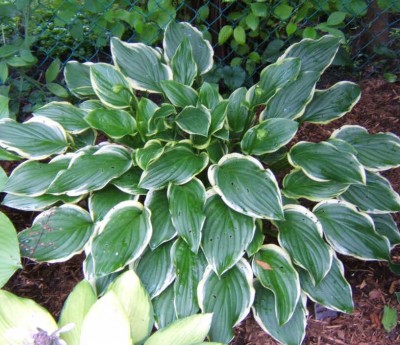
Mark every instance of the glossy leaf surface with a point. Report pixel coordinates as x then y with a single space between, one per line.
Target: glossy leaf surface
57 234
351 232
273 267
246 186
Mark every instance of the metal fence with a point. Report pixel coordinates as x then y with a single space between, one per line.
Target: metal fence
255 31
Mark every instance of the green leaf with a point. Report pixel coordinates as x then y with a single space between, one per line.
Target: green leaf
333 291
90 171
216 149
37 138
9 251
32 178
301 235
209 96
3 179
336 18
268 136
236 111
164 307
291 28
246 186
324 162
273 267
275 76
105 322
259 9
315 55
239 35
183 65
110 86
57 90
147 154
39 203
122 237
258 239
194 120
141 64
351 232
189 269
233 77
185 163
67 115
283 11
21 318
52 71
389 319
129 182
155 269
158 122
3 72
310 33
229 298
376 196
86 138
376 152
102 201
161 220
224 225
135 301
176 33
224 34
186 205
8 156
180 95
57 235
185 331
77 78
4 109
298 185
292 332
331 104
75 308
300 93
386 226
113 122
252 21
218 116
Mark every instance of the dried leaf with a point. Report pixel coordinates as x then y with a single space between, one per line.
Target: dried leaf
264 265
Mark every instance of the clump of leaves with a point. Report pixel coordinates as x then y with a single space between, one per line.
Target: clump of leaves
184 191
124 315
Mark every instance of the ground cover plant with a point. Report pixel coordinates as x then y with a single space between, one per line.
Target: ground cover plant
185 190
124 315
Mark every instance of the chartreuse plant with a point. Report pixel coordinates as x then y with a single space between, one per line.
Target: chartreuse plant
184 190
123 316
10 259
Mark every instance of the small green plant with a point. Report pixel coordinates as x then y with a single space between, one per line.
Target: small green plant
184 190
20 92
123 316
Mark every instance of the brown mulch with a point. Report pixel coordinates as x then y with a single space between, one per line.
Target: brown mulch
374 286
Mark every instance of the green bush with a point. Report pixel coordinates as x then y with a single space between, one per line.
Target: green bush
184 190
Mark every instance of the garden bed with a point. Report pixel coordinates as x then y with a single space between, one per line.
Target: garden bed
373 285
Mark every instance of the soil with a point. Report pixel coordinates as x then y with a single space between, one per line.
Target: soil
373 284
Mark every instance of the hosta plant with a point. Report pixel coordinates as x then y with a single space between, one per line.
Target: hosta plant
155 170
123 316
